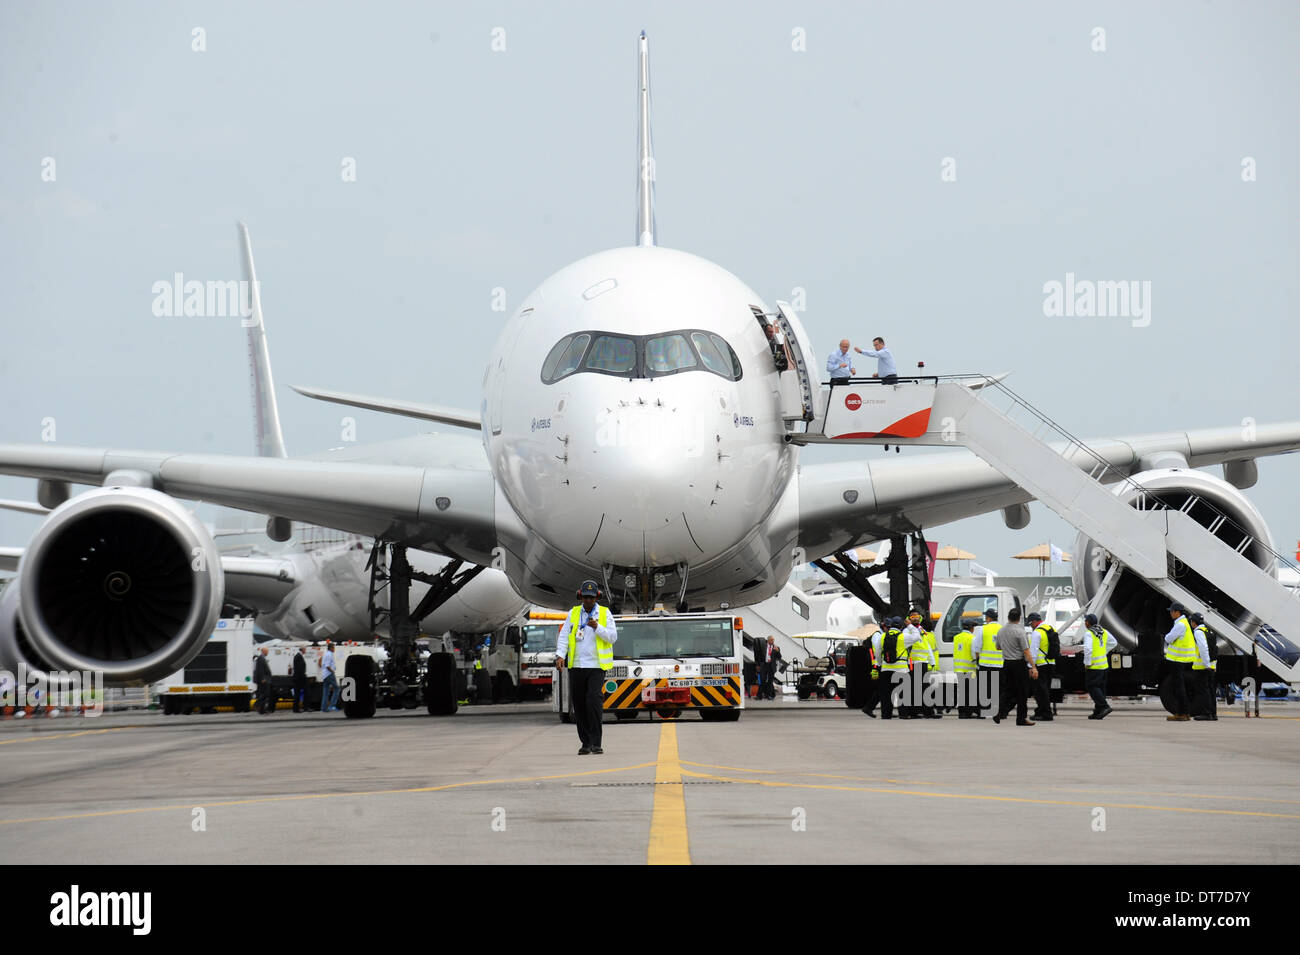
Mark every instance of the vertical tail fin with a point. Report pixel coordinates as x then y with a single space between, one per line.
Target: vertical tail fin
266 415
645 215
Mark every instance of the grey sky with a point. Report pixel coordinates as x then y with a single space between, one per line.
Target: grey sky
479 169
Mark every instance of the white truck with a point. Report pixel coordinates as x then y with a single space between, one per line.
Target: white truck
670 664
221 674
537 668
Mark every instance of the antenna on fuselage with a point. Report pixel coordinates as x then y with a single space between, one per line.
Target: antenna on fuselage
645 189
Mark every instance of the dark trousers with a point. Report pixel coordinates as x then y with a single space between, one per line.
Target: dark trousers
1094 681
992 681
884 693
299 696
916 684
1178 675
1203 701
585 691
768 689
1043 688
967 687
265 697
1015 688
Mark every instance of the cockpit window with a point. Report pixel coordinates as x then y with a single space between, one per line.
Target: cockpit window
647 356
616 355
709 354
553 358
667 354
727 350
565 357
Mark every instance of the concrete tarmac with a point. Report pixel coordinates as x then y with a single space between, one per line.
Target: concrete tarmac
790 782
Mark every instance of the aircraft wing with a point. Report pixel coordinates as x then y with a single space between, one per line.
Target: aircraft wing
844 504
24 507
410 409
446 510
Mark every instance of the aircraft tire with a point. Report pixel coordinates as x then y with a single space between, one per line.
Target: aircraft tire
361 671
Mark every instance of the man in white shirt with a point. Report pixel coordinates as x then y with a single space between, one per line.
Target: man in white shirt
329 694
839 365
886 370
586 644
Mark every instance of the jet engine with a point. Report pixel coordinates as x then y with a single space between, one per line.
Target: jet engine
120 579
17 657
1135 609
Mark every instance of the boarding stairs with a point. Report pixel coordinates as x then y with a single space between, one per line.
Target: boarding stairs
1083 487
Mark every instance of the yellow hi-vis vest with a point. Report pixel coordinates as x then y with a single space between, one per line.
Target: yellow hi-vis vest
1040 654
962 661
923 651
990 652
901 662
1100 659
604 651
1183 649
1196 663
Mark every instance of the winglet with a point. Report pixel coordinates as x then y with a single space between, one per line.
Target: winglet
266 415
645 212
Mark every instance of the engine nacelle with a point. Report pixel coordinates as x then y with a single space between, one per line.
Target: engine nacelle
17 656
120 579
1135 608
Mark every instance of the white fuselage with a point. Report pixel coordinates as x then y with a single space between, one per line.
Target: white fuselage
331 598
633 471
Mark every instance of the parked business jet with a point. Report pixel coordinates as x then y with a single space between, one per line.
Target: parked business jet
634 428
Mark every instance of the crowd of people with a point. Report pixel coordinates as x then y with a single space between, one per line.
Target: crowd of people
268 696
1001 667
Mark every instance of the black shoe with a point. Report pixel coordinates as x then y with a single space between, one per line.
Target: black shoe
869 713
964 716
584 751
597 751
1043 719
998 718
935 716
1203 716
1104 713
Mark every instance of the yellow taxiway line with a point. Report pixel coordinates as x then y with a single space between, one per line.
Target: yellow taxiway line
669 842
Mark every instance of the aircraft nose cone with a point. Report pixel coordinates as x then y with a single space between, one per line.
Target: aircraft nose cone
646 459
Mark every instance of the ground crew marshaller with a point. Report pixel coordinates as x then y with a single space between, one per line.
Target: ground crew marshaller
586 642
963 664
1204 672
923 655
1180 653
988 656
891 642
1097 644
1046 664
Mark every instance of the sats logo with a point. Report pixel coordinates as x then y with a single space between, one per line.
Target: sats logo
853 401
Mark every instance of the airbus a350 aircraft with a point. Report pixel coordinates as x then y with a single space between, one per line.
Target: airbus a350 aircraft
633 428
